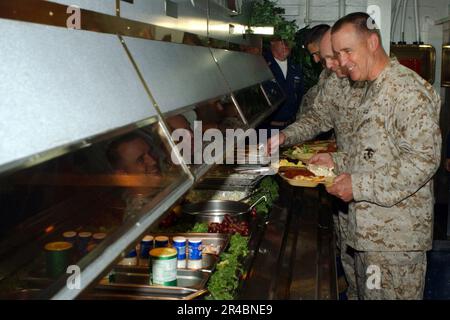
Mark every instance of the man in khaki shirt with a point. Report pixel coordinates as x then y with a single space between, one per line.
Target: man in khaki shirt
386 174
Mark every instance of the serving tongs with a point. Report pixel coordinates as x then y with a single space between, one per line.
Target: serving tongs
269 170
259 171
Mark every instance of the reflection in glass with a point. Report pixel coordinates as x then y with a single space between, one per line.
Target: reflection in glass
274 92
213 116
218 113
57 213
193 40
249 49
252 102
233 5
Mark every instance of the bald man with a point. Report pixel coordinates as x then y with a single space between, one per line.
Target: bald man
386 173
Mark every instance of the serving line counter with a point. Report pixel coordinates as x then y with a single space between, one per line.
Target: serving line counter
66 198
291 253
74 98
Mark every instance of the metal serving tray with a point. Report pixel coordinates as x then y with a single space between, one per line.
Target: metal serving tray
201 195
228 178
133 282
188 281
208 264
215 239
134 286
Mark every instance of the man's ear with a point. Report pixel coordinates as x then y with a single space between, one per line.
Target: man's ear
373 42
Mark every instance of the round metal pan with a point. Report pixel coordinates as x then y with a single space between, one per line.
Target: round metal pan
215 210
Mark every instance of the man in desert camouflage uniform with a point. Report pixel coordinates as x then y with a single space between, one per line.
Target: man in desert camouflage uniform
312 44
312 93
386 174
333 108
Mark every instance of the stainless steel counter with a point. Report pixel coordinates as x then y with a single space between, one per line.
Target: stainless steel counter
293 256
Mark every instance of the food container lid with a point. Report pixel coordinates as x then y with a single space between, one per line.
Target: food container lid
58 246
99 236
163 253
161 238
195 240
69 234
85 234
179 239
147 238
132 254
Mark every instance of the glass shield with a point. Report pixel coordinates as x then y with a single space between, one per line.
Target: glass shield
62 215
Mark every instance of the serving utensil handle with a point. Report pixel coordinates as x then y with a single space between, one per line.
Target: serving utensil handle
257 201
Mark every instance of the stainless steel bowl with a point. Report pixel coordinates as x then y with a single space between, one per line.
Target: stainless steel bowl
215 210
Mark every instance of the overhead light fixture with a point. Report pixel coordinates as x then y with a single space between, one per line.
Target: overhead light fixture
263 30
241 29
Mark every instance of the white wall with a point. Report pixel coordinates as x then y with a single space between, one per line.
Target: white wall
322 11
327 11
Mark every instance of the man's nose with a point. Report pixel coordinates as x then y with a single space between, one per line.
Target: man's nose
149 160
343 60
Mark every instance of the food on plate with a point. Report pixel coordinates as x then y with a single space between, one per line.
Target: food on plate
321 171
299 153
307 150
330 145
287 163
310 176
302 174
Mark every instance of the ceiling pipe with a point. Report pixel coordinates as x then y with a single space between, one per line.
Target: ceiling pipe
307 12
341 8
394 9
405 5
397 9
416 16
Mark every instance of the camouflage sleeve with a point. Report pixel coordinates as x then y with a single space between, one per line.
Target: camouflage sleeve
313 122
340 160
313 92
307 101
417 137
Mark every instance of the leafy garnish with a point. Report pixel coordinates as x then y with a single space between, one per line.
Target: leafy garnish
225 280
